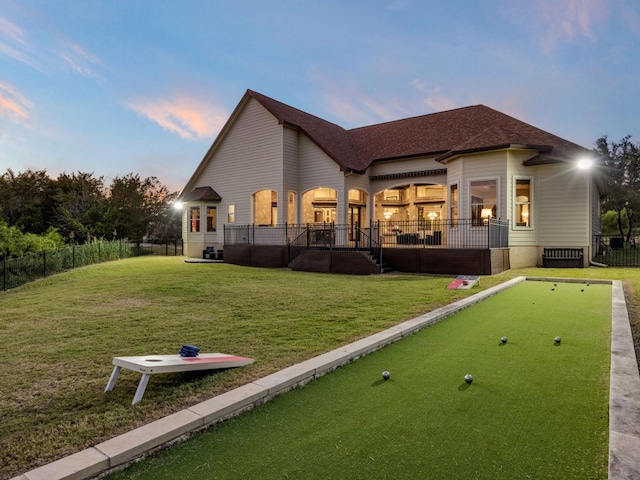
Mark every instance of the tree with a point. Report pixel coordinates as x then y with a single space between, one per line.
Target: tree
622 163
80 206
136 207
25 200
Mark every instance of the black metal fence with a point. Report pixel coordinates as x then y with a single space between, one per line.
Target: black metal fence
457 234
20 270
617 251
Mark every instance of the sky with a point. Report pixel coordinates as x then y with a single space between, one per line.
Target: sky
118 86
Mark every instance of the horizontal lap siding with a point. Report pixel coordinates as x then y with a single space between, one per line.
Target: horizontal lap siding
317 169
249 158
487 166
290 159
522 237
563 215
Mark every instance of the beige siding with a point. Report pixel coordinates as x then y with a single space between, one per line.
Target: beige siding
564 207
484 166
290 174
248 159
518 236
316 168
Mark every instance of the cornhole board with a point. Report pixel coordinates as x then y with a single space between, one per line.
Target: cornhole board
153 364
463 282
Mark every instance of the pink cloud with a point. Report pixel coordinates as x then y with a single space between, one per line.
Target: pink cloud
12 31
80 60
570 20
13 43
13 105
432 96
188 117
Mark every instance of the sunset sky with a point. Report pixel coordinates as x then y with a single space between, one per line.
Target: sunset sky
143 86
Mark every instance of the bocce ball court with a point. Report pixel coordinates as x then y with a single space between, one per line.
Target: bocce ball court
536 408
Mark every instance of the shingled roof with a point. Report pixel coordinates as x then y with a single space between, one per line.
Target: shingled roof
444 135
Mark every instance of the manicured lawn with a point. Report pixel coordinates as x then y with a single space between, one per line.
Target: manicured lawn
534 410
59 335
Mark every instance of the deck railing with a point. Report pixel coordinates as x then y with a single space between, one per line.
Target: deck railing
456 234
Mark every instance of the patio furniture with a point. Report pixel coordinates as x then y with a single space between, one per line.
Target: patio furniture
563 258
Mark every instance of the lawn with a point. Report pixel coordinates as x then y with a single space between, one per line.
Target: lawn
58 336
535 409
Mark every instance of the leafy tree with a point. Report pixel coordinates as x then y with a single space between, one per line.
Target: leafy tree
611 222
136 206
25 200
80 206
622 163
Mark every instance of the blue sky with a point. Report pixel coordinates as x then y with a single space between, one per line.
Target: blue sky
113 87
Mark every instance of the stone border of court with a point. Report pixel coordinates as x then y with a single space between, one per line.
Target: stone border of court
120 451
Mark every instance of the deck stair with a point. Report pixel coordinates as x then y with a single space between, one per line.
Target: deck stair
373 257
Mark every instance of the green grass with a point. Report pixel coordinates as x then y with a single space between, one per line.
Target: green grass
58 336
534 410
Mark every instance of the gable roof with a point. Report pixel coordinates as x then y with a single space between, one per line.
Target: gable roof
444 135
334 140
202 194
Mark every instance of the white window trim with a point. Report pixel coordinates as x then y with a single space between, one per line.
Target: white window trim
532 217
457 184
235 213
207 207
468 195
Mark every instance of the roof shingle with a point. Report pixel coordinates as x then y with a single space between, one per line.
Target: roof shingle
443 134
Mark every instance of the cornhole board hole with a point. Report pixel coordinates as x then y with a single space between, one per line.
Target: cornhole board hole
463 282
153 364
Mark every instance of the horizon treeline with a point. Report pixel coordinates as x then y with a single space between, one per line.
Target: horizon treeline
79 207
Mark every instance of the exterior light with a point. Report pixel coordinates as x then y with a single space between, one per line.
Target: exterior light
585 163
178 205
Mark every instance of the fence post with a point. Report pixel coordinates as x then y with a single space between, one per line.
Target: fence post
44 264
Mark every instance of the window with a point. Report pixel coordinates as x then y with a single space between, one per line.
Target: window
522 202
453 204
429 192
324 193
194 215
393 194
231 213
291 209
484 201
212 219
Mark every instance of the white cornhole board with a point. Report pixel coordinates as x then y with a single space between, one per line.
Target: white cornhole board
152 364
463 282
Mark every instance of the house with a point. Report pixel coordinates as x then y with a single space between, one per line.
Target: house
429 193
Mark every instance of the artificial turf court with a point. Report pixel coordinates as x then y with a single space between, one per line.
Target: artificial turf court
534 410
